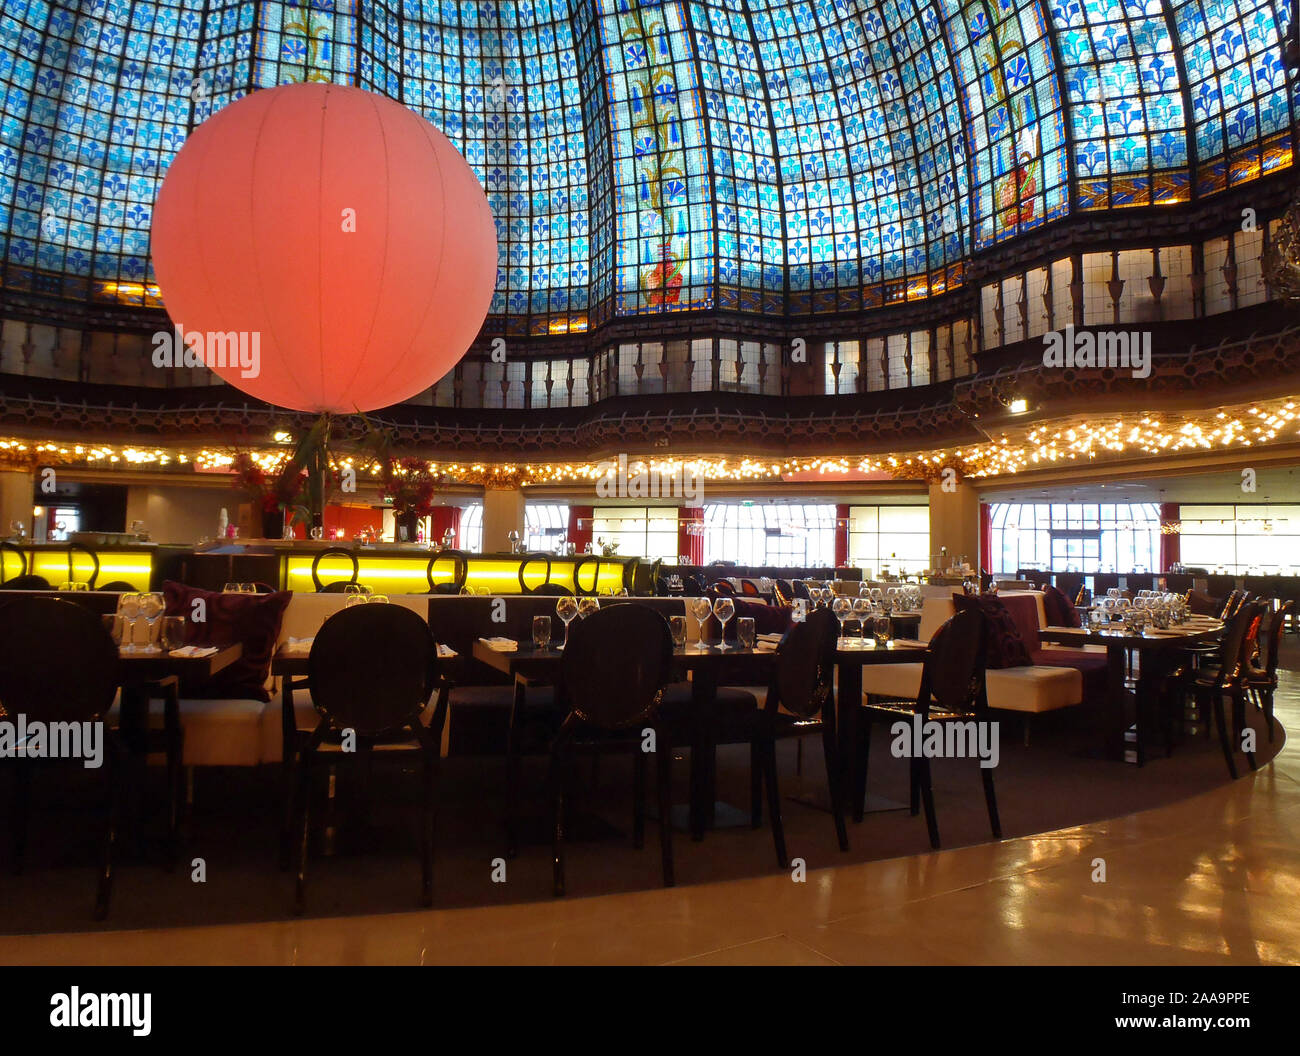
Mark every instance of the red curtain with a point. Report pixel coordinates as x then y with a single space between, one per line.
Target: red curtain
442 518
842 536
690 533
346 521
579 536
1170 542
985 563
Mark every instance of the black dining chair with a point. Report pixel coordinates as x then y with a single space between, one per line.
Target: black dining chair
59 665
336 586
1227 677
1261 679
951 691
117 586
800 700
372 670
612 677
27 581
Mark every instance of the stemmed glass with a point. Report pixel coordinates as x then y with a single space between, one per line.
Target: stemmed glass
701 609
566 608
151 608
128 607
862 609
724 608
842 608
588 606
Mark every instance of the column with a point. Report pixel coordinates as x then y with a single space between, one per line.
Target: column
955 522
503 513
842 536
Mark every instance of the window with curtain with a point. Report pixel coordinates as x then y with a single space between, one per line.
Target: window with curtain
471 528
1240 540
648 532
772 533
544 524
892 537
1079 537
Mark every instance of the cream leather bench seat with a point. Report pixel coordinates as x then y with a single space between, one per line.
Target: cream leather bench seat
1033 690
245 732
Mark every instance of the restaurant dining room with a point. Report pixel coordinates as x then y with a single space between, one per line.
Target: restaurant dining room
648 482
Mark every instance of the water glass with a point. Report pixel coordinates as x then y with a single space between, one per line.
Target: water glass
541 631
173 632
882 629
745 631
677 624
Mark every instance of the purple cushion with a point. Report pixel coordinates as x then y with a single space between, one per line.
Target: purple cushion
1005 646
1060 611
253 620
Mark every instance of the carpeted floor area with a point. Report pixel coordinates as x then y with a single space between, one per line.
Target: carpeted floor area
1057 782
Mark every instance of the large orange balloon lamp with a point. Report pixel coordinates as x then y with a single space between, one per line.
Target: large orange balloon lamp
335 233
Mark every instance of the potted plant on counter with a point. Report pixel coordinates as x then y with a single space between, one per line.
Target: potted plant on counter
270 494
410 487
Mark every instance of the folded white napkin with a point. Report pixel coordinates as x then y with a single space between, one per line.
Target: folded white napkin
774 639
295 646
501 645
764 646
194 651
446 651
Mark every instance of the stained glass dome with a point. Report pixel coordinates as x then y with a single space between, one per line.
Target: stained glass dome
768 156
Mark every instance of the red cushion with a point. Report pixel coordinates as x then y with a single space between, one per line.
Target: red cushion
1024 611
1059 609
253 620
1005 646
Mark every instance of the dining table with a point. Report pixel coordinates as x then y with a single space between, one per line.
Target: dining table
709 667
1157 650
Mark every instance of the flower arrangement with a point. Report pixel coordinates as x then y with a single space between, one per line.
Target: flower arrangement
410 486
267 493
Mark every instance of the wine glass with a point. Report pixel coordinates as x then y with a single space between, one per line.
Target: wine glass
566 608
128 607
843 609
248 588
230 588
355 598
151 608
701 609
588 606
724 608
375 599
862 609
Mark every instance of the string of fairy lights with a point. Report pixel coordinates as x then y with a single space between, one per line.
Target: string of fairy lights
1037 445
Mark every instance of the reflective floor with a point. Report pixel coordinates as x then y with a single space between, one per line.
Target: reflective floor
1213 879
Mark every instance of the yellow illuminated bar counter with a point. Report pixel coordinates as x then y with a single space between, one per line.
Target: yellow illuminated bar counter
98 564
406 568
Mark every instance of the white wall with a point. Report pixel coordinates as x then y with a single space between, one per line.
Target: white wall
182 514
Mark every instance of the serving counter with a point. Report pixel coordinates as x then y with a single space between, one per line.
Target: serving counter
143 565
400 568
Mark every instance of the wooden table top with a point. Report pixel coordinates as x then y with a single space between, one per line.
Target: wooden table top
145 667
1148 639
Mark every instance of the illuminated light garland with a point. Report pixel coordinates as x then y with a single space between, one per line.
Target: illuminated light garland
1036 445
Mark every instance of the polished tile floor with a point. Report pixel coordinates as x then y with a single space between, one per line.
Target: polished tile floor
1214 879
